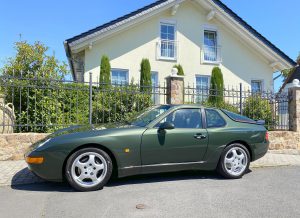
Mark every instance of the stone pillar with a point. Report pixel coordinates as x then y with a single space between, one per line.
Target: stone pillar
175 89
294 109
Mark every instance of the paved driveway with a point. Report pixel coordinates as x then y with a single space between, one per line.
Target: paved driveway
264 192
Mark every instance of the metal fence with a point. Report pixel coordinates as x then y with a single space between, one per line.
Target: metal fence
37 104
259 105
44 105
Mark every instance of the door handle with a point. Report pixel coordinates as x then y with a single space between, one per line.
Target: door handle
199 136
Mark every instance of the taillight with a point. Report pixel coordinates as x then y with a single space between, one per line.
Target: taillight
267 136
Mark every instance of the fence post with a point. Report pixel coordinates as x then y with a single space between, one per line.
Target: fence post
241 98
90 98
294 108
175 89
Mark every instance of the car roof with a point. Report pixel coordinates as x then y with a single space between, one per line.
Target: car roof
188 106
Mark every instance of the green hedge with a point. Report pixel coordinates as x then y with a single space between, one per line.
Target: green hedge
45 106
119 103
258 108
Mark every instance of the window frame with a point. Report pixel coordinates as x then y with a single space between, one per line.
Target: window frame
261 81
174 24
206 126
208 85
155 88
211 28
120 70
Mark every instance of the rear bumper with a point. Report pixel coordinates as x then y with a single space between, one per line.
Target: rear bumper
259 150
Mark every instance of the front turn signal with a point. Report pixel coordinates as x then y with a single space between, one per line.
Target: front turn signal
34 160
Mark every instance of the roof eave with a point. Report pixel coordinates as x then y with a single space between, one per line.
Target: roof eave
69 56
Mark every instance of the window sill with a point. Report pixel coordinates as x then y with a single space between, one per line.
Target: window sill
211 62
167 59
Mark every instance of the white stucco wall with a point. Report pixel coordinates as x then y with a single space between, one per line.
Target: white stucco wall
126 49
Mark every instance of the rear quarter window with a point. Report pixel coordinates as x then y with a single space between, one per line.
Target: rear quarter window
214 119
238 117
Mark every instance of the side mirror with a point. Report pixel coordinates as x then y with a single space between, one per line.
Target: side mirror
166 125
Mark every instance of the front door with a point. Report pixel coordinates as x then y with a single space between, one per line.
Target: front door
187 142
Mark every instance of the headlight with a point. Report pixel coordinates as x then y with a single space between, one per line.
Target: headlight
43 143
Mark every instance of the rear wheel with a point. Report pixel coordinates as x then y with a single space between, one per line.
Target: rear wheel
234 162
88 169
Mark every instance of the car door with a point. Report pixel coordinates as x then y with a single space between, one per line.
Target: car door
187 142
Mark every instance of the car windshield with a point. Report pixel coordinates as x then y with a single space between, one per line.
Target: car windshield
147 116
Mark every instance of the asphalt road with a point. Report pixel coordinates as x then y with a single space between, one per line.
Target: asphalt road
265 192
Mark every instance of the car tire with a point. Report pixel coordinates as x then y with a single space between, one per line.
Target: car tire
234 161
88 169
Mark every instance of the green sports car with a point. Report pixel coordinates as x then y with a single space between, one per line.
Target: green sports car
162 138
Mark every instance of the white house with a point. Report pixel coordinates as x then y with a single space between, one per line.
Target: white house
198 34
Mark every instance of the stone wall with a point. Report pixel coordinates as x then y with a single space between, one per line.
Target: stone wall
280 140
13 146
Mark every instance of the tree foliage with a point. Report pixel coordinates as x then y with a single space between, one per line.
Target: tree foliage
298 59
216 87
180 69
33 81
258 108
105 72
119 103
145 79
287 72
32 60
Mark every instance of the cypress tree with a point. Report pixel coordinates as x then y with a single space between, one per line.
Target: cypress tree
105 71
216 87
145 80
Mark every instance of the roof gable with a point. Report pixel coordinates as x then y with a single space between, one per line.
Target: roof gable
165 4
118 20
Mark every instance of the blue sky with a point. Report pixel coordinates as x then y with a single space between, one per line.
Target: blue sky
51 22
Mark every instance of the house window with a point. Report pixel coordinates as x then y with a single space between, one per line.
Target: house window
202 88
167 41
256 86
119 77
155 89
211 49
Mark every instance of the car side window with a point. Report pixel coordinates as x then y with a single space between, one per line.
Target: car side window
214 119
184 118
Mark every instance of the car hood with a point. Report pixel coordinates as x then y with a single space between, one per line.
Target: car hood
77 130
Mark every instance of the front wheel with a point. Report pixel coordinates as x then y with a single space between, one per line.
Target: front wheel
234 162
88 169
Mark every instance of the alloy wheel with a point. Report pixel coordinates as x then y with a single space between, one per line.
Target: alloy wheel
236 161
89 169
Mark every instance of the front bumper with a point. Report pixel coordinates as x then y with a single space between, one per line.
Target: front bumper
50 169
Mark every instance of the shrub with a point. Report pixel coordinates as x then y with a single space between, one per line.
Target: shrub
180 69
119 103
45 106
216 86
145 80
105 72
258 108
